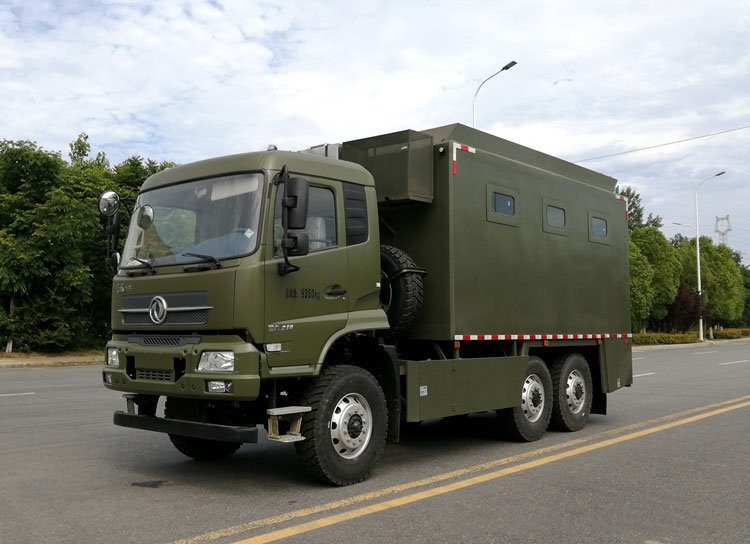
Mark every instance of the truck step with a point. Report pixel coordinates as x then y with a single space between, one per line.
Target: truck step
294 413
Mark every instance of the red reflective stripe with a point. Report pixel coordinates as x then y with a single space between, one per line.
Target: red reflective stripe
536 336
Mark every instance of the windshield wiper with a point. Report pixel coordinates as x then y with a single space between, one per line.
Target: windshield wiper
208 258
152 268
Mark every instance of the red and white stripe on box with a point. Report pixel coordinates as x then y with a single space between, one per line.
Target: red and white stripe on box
627 205
597 336
460 147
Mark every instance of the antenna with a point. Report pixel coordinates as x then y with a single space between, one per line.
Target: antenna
723 232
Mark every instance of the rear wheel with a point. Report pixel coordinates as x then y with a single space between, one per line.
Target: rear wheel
528 421
199 449
573 393
346 429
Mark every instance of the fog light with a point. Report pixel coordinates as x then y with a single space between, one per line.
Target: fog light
219 386
216 361
113 359
108 378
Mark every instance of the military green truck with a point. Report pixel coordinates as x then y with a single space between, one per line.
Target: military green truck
329 296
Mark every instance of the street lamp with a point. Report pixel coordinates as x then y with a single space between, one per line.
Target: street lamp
508 66
698 254
683 225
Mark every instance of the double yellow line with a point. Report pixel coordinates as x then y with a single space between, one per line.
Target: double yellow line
540 457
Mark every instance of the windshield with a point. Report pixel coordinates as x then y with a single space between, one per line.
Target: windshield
213 218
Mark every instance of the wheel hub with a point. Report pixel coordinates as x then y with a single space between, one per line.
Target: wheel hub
532 398
355 426
575 391
351 425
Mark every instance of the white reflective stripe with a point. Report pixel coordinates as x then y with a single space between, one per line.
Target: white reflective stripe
544 336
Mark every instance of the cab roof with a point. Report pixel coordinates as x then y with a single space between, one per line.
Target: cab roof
303 164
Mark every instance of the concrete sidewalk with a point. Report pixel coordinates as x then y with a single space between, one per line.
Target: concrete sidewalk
38 360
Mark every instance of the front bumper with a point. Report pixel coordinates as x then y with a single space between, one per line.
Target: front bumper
171 370
207 431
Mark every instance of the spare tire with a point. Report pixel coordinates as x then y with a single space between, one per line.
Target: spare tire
401 288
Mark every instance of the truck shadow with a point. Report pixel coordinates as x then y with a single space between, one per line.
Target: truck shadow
442 443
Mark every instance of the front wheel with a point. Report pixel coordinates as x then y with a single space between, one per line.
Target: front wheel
346 429
573 393
528 421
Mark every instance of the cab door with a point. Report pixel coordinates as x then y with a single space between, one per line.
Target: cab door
305 308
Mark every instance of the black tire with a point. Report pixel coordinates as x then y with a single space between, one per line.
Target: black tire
402 298
529 421
199 449
346 429
573 393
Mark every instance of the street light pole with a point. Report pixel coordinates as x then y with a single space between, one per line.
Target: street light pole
698 256
508 66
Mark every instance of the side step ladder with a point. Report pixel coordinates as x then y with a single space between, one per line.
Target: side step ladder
295 431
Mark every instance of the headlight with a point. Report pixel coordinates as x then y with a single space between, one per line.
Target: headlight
112 358
216 361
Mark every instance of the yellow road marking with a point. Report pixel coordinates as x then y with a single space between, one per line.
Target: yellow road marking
296 514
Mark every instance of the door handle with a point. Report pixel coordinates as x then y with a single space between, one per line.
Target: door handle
336 291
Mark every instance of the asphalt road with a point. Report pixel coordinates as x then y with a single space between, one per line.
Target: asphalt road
668 464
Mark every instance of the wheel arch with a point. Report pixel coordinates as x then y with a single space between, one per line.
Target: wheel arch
363 349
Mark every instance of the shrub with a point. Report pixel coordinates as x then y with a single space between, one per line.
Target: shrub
658 338
727 334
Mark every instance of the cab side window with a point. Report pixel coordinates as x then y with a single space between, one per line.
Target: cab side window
321 219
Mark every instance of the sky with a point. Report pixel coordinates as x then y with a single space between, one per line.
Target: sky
186 80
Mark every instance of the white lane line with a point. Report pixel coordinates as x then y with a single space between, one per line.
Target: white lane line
638 358
703 352
15 394
642 375
735 362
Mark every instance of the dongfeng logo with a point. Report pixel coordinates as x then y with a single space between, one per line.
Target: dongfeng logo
157 310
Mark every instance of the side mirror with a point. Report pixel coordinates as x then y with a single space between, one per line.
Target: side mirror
145 217
109 203
293 218
297 244
109 207
296 197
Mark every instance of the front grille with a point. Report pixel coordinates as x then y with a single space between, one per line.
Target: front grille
154 375
192 317
161 340
195 317
168 341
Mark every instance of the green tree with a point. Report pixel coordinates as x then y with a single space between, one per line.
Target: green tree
641 287
721 279
54 289
27 174
745 319
636 211
667 267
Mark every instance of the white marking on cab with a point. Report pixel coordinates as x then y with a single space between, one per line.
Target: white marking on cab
16 394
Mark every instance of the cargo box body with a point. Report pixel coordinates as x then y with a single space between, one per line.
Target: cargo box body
514 241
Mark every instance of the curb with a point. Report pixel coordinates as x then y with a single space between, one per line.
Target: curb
693 345
40 362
